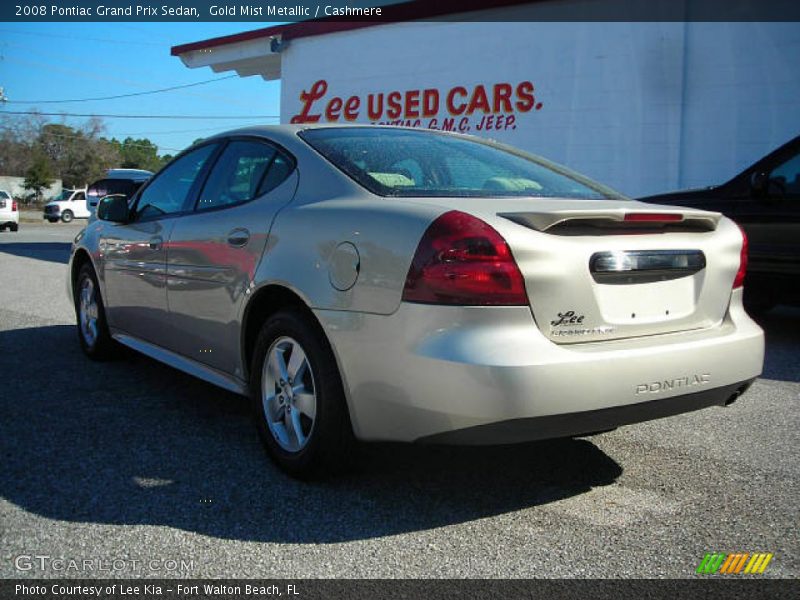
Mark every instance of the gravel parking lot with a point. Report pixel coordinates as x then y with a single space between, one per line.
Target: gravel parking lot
135 462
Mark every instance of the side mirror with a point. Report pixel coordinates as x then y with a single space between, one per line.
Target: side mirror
113 208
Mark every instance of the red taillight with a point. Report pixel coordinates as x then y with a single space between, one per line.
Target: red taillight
13 206
462 260
739 280
653 217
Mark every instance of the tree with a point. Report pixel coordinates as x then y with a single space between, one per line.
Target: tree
39 175
77 154
18 135
138 154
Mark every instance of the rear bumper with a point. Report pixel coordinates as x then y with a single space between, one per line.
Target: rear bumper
581 423
426 371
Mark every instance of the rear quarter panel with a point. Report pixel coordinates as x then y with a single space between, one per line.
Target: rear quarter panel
304 238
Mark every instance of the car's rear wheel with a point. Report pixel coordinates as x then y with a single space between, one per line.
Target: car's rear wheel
67 216
14 227
298 399
93 333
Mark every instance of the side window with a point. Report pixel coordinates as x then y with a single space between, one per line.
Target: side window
785 179
237 174
80 196
279 170
168 191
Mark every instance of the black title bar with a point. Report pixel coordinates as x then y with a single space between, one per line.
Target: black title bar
257 11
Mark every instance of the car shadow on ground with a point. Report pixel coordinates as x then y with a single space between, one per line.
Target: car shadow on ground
57 252
782 333
134 442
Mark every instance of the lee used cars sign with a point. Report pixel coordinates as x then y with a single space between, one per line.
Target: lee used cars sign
480 107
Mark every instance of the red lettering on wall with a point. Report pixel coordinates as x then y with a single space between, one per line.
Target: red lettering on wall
333 110
525 98
496 105
308 98
451 106
479 101
394 108
351 108
430 103
412 104
374 106
501 93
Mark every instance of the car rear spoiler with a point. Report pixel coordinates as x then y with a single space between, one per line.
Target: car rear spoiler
616 221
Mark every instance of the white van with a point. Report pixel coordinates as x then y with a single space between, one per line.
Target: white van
69 205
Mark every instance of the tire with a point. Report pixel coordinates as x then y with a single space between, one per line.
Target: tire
90 314
14 227
67 216
53 220
315 405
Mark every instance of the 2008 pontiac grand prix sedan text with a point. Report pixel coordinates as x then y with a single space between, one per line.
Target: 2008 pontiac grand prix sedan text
394 284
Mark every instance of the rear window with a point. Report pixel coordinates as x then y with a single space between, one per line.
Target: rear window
402 162
3 195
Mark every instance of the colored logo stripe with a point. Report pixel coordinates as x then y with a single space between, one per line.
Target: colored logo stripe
734 562
731 564
758 563
711 563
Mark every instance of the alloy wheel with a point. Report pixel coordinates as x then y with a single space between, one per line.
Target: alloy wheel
87 311
288 394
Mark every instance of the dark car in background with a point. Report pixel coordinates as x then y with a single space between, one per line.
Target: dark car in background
764 200
123 182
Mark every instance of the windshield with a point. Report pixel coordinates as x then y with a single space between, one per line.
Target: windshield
64 195
401 162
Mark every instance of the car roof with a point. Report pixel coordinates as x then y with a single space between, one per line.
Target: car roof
286 135
135 174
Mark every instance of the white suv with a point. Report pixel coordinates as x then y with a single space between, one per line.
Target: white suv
69 205
9 213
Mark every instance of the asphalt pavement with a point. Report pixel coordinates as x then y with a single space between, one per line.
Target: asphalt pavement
133 462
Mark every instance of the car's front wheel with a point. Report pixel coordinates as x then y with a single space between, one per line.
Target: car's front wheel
67 216
93 333
298 399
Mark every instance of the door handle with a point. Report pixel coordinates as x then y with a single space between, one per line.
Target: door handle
238 237
155 243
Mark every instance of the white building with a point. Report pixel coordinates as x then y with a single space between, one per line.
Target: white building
645 107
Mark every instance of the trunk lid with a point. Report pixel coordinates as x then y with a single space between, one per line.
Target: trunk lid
591 275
